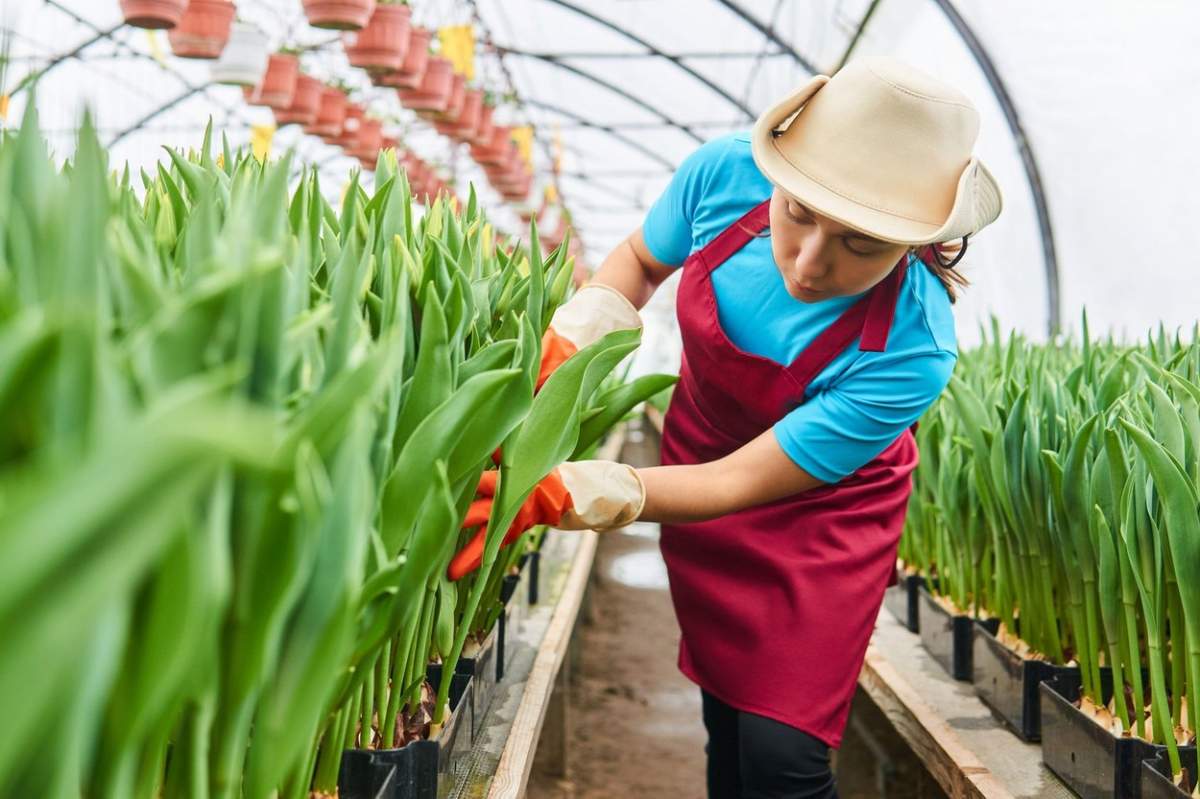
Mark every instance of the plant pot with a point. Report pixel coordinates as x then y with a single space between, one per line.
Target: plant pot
949 638
510 621
484 672
413 771
342 15
416 60
347 139
243 62
464 127
434 93
382 45
306 101
331 113
485 129
203 30
1008 683
497 150
153 14
1156 775
534 575
1091 761
903 602
278 87
368 141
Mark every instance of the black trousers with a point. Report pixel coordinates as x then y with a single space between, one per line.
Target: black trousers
754 757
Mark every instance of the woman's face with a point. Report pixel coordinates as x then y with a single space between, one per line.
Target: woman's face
820 259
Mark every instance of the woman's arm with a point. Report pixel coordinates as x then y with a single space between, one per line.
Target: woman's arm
632 270
758 473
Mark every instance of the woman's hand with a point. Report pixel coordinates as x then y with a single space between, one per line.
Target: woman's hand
758 473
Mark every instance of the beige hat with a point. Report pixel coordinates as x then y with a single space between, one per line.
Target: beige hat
881 148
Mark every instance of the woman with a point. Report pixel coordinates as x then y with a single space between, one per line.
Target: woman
816 329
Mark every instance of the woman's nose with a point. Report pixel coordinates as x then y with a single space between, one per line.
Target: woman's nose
812 258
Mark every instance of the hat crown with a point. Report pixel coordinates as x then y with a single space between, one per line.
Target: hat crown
886 136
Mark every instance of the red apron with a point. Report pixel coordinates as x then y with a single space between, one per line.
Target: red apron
776 603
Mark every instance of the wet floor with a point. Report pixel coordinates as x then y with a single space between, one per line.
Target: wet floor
635 718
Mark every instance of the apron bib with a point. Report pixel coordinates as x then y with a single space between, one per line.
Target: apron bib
776 603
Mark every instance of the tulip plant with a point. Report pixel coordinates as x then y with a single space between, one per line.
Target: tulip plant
1058 491
240 429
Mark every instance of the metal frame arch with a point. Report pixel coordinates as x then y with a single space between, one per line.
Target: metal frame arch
1028 162
612 87
770 33
653 50
613 132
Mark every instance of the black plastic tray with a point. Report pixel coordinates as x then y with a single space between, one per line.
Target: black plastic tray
949 639
1008 683
903 601
413 771
509 620
1156 775
484 672
1088 758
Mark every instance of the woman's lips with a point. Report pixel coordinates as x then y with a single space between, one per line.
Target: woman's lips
805 291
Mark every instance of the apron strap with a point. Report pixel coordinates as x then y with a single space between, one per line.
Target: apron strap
869 320
734 237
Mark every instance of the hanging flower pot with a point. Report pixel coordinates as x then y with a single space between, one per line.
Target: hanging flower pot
342 15
383 44
483 132
153 14
412 72
331 112
494 151
306 101
434 93
348 137
369 140
203 30
279 81
244 59
465 127
447 121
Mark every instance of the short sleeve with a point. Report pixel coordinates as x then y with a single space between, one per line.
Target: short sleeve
667 228
839 430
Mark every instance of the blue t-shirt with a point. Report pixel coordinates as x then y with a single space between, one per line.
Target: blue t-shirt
862 401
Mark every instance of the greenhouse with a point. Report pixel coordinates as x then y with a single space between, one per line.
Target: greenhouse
565 399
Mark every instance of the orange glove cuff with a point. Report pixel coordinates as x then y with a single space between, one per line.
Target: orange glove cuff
555 351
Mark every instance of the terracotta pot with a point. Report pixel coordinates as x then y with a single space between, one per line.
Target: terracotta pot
434 93
348 137
279 81
518 191
412 72
306 101
153 14
496 150
203 30
383 44
342 15
390 143
369 140
331 112
467 124
458 96
244 59
483 133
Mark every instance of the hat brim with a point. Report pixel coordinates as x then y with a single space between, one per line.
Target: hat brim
977 201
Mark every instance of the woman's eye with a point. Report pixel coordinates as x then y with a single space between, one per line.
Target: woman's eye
858 250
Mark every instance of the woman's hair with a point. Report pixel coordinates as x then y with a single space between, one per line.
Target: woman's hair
941 260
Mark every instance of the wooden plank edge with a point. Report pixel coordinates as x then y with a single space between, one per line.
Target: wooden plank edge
953 765
516 761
